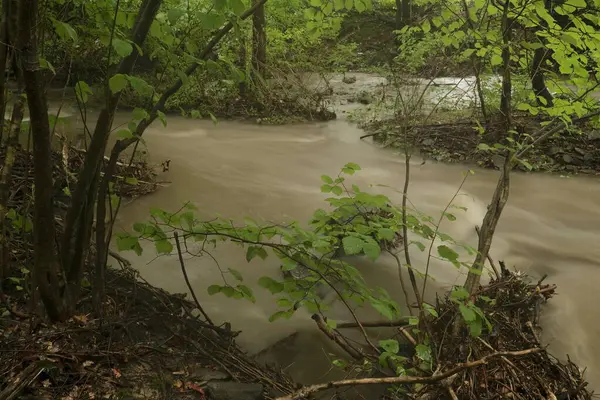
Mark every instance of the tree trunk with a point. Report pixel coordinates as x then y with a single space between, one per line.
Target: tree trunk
538 81
259 41
242 63
46 267
506 96
77 233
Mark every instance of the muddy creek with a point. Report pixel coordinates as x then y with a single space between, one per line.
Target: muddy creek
550 226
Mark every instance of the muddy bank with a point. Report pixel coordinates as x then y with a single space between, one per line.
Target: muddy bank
459 142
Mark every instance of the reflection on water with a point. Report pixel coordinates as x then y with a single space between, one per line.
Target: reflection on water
550 226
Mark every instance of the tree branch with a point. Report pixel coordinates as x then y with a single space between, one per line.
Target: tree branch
302 393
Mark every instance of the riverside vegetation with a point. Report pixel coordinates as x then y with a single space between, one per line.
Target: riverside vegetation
75 328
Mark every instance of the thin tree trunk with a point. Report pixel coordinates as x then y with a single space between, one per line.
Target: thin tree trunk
44 234
506 96
538 81
77 233
242 63
6 177
4 39
259 40
122 145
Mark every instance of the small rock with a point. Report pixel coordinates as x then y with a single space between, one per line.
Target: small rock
207 374
588 157
555 150
594 135
428 142
234 391
349 79
567 158
580 151
498 160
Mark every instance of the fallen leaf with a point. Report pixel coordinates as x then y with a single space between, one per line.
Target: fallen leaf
116 373
178 384
46 383
193 386
81 319
88 363
178 372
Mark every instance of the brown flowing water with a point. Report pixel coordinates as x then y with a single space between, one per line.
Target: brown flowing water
550 226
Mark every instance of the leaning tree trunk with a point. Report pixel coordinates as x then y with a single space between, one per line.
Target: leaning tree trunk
506 95
259 41
46 267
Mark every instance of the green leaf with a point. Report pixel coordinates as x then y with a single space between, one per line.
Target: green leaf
386 234
213 118
383 309
163 246
214 289
447 253
423 352
162 117
352 245
359 5
326 179
496 60
65 31
426 26
467 313
390 346
117 83
337 190
142 87
270 284
371 249
124 134
247 292
281 314
475 327
254 251
132 181
122 47
429 308
83 90
338 4
326 188
331 323
237 6
236 274
174 14
460 293
126 242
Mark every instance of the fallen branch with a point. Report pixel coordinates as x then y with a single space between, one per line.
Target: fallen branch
337 338
302 393
20 382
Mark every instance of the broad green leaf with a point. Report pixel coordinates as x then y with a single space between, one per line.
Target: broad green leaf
423 352
281 314
214 289
65 31
475 327
270 284
326 179
237 6
174 14
496 60
122 47
236 274
163 246
383 309
352 245
447 253
254 251
429 308
82 91
390 346
337 190
385 234
117 83
247 292
142 87
467 313
371 249
124 134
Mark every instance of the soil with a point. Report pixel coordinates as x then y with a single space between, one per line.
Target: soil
147 344
575 152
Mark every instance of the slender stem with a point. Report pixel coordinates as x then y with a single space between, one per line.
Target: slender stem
187 280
